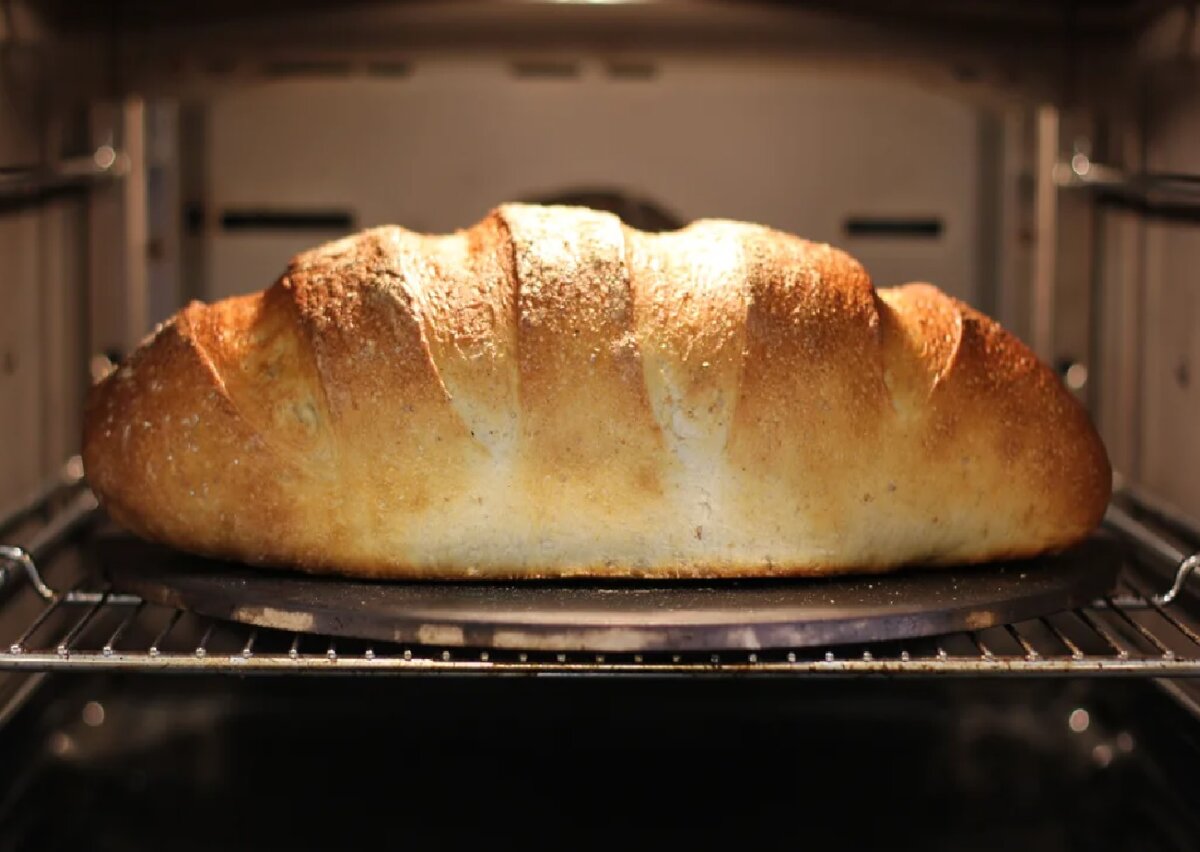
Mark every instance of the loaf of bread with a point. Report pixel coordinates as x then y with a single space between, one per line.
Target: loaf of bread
550 393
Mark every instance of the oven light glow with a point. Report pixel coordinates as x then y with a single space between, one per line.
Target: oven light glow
105 157
1077 376
93 714
60 744
1079 720
73 469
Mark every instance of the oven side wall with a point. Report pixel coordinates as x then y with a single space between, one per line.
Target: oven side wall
1148 341
42 301
1170 362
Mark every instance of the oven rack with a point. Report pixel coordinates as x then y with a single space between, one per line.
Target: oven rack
21 187
1135 631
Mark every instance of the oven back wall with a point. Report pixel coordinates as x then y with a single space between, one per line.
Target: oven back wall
436 148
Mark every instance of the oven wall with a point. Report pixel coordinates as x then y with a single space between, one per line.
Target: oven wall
43 298
1148 341
435 148
21 345
1170 363
433 143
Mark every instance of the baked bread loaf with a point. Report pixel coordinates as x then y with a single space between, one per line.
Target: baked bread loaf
550 394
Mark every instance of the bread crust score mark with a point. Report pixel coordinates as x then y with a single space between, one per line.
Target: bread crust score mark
550 393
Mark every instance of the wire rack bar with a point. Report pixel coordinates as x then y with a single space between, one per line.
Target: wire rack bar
984 651
1067 642
281 664
1100 629
248 648
155 648
107 649
1140 629
42 617
1049 653
68 641
1157 547
1031 653
202 645
31 186
1166 612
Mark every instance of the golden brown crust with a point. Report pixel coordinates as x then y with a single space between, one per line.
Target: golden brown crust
551 394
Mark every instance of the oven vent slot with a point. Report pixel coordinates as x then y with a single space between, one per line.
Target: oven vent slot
266 219
628 69
548 69
389 68
893 227
307 68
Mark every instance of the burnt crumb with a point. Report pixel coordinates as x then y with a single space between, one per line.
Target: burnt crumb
699 533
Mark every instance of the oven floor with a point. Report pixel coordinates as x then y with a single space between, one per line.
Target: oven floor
134 763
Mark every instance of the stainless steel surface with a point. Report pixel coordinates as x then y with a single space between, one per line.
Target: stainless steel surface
32 185
1170 196
71 474
1184 693
1165 512
620 616
13 560
24 691
76 505
1156 545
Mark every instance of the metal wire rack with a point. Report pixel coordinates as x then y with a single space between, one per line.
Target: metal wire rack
1132 632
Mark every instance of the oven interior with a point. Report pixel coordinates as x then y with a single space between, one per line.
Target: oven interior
1034 159
252 764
